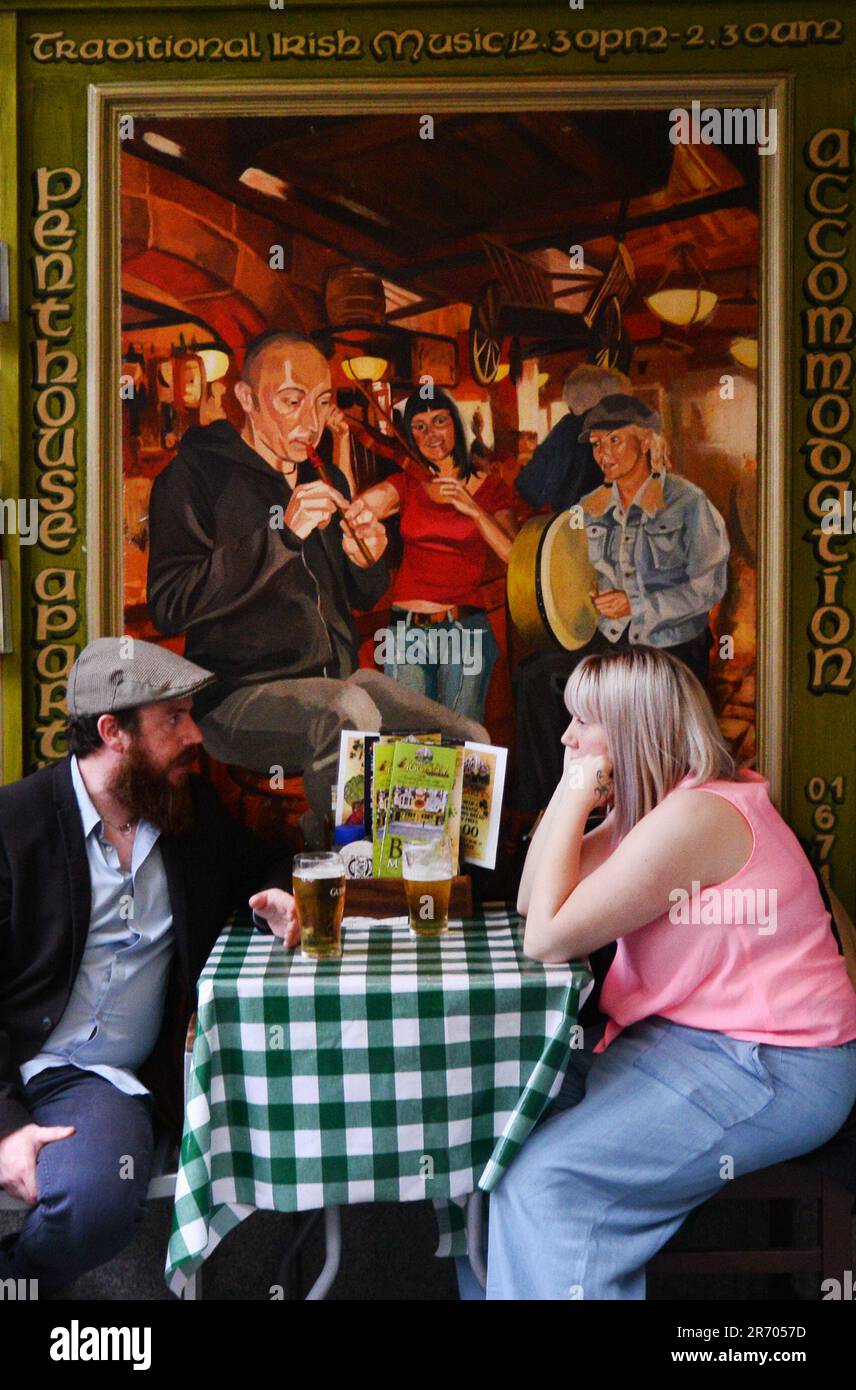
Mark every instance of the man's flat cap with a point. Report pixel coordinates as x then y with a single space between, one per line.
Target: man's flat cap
618 410
122 672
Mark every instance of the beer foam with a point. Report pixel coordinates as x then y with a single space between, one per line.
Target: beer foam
426 873
318 871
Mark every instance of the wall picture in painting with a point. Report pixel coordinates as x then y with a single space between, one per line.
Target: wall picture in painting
527 339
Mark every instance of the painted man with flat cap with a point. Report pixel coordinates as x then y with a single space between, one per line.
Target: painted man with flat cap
660 549
118 869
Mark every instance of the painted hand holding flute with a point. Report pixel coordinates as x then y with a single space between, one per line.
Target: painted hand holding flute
313 505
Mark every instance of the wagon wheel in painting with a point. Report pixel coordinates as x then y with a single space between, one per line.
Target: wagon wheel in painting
486 333
610 344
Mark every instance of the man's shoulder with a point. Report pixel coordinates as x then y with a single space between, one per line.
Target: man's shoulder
556 445
568 427
200 450
565 431
203 791
32 788
25 803
685 499
678 490
209 817
208 807
595 503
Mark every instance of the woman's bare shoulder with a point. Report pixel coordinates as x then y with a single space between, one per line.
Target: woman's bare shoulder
692 807
701 823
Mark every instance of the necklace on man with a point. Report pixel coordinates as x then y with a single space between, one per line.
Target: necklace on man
124 828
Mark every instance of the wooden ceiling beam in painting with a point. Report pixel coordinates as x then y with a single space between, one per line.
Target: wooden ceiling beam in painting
333 193
569 227
474 173
325 139
333 232
369 191
591 164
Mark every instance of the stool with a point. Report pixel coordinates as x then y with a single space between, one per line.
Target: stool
829 1257
283 805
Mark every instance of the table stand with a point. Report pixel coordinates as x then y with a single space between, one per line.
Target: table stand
333 1246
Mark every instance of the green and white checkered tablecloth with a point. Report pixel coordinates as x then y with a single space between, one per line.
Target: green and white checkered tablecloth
406 1070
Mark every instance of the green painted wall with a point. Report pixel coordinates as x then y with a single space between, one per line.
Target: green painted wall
670 40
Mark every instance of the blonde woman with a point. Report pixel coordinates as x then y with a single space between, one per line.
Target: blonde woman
660 551
562 469
658 544
731 1021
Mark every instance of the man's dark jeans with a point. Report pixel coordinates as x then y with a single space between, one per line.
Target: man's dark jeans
91 1187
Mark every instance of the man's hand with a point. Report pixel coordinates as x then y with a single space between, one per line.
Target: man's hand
18 1153
614 603
277 908
370 531
311 505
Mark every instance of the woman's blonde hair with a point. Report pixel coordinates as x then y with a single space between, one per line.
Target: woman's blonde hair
656 446
659 725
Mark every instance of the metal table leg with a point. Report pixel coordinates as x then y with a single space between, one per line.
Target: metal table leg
475 1236
304 1229
332 1257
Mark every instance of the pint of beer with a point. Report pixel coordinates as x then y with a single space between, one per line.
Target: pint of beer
318 881
427 871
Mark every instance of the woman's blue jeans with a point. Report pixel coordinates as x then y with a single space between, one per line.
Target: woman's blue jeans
457 659
641 1135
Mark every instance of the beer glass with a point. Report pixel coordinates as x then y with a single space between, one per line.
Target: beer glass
318 882
427 871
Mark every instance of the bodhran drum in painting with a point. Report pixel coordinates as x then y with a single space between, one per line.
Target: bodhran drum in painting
550 580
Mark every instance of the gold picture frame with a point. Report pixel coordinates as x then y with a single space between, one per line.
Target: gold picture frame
107 103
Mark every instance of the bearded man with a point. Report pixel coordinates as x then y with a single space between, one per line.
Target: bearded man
118 869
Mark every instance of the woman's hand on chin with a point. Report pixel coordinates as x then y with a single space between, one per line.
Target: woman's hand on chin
590 777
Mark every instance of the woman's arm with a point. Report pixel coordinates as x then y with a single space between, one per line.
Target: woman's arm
383 499
507 522
533 854
499 540
690 840
455 493
595 848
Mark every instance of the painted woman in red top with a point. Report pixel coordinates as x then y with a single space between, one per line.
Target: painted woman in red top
440 642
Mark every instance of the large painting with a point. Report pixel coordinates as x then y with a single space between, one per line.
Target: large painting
527 267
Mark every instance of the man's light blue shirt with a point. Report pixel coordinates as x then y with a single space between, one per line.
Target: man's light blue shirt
114 1013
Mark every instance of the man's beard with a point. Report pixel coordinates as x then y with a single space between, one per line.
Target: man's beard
149 795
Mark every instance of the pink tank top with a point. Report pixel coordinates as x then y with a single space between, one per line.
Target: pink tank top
753 957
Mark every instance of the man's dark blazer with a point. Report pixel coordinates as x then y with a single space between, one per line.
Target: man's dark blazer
45 905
